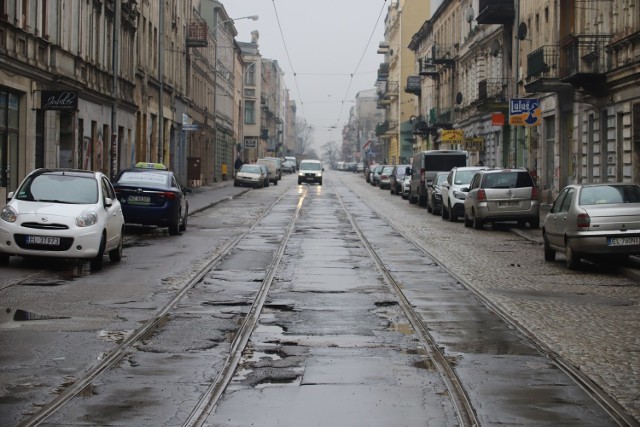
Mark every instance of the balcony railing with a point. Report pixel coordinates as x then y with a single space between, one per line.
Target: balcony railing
414 85
584 62
584 54
543 62
382 128
197 32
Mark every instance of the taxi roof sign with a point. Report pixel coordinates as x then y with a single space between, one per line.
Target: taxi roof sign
148 165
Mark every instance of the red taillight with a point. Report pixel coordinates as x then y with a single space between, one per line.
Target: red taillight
481 195
170 196
421 175
534 193
583 220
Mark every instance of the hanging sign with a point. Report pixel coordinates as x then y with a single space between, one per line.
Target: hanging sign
525 112
455 136
497 119
251 142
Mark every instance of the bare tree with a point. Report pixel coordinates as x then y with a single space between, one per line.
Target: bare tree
304 132
331 153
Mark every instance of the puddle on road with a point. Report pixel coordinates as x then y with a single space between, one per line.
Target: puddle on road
403 328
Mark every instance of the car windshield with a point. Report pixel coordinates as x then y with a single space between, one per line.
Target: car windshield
440 178
609 194
464 177
60 189
387 170
144 179
311 166
250 168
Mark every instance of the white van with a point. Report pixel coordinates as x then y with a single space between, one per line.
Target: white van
272 166
310 171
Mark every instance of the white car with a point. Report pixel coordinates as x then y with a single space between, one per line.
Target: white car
310 171
63 213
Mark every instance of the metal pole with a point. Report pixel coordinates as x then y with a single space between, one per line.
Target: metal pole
161 81
114 163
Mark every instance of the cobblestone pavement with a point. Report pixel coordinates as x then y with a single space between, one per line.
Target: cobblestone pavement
590 318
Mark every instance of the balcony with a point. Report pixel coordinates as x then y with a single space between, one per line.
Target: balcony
428 68
414 85
584 62
382 128
496 12
383 71
387 90
197 32
422 128
543 74
491 95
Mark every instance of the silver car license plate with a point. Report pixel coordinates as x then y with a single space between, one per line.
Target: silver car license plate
624 241
43 240
139 199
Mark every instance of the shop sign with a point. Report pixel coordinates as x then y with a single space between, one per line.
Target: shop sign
455 136
525 112
474 144
497 119
251 142
66 100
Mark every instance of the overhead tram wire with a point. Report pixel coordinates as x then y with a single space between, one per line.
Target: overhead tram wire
286 50
384 2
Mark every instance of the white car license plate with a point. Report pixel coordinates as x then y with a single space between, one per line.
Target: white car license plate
43 240
508 204
624 241
139 199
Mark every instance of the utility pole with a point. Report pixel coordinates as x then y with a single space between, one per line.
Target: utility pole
160 157
115 144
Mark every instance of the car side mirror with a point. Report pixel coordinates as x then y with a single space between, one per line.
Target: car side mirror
10 196
108 202
407 171
322 169
465 189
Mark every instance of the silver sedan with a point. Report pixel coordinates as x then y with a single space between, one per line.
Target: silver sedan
593 221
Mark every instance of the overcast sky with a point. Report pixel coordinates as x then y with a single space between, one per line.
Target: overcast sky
326 49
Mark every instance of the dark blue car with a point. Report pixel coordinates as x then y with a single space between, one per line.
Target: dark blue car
150 195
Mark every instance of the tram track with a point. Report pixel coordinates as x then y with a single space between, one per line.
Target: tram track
116 355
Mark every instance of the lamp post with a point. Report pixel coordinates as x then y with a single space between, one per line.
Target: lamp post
215 87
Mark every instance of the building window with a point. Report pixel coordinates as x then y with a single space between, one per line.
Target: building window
250 74
250 112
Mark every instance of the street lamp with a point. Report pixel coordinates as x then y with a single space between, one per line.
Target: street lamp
215 85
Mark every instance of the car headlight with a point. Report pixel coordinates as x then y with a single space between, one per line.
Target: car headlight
459 195
9 214
87 219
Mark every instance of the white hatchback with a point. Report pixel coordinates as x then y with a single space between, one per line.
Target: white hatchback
63 213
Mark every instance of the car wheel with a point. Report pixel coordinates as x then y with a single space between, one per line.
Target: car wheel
573 260
115 255
451 215
174 227
235 184
98 262
183 225
429 206
467 221
534 224
275 182
444 213
478 224
320 182
549 254
266 184
299 181
4 259
412 199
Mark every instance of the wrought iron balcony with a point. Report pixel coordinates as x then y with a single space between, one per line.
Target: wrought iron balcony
387 90
383 71
543 74
584 62
496 12
491 94
428 68
197 32
414 85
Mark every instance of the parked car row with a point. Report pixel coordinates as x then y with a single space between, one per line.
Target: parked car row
599 221
80 214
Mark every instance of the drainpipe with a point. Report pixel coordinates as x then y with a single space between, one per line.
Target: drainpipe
115 146
161 80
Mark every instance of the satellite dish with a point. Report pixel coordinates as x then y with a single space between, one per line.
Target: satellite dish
522 31
459 98
470 14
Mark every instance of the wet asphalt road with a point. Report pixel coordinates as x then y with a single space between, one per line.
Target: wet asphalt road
332 348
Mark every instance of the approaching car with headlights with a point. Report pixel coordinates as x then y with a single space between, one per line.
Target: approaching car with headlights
150 195
454 192
250 175
310 171
593 221
63 213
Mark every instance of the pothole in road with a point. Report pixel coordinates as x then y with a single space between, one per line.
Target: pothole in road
12 317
